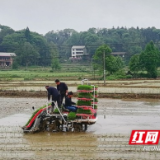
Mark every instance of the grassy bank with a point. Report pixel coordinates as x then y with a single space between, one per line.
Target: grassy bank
41 75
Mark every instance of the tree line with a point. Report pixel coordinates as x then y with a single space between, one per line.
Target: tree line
144 64
32 48
131 40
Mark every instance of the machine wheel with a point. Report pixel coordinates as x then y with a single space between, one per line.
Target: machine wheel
52 126
77 127
85 127
43 125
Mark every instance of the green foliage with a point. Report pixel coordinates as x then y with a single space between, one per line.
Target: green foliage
56 110
95 100
104 49
83 103
113 64
84 111
71 116
4 31
99 56
134 64
149 59
130 40
28 54
95 107
55 64
84 87
42 49
117 75
39 73
121 39
96 93
129 76
86 95
31 48
15 64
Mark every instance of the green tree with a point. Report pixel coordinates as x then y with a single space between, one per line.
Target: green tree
149 59
113 64
15 64
94 67
134 64
28 55
27 34
100 56
4 30
15 42
55 64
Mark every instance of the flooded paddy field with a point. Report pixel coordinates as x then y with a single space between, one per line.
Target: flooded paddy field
107 139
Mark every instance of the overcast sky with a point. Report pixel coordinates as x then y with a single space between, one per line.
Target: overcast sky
43 16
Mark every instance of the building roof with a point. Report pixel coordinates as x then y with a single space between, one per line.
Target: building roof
118 53
78 47
7 54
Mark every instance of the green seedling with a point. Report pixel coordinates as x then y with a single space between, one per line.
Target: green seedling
95 100
56 111
34 114
85 95
84 111
84 103
84 87
71 116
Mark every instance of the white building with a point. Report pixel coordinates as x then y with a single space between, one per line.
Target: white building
78 51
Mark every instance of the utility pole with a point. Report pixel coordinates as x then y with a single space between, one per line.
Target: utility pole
104 66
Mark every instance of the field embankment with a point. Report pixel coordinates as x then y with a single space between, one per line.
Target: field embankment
112 89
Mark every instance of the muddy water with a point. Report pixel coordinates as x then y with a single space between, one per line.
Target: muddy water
107 139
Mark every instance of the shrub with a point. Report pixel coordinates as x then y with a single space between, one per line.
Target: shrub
15 65
14 76
129 76
115 77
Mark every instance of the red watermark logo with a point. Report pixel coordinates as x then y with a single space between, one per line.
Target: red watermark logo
144 137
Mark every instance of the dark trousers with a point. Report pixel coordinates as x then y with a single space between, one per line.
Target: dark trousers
58 100
62 97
